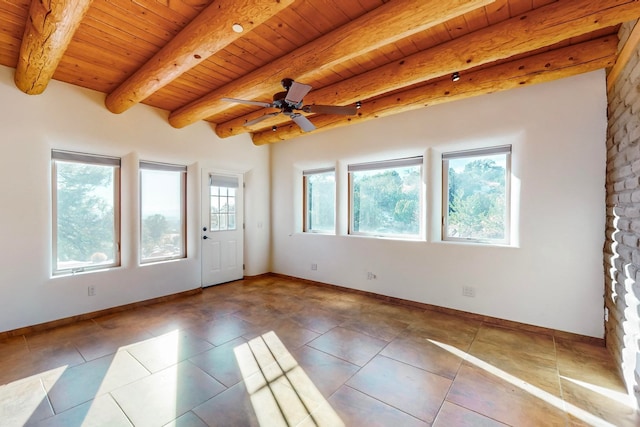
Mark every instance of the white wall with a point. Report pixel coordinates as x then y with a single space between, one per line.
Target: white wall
69 118
552 276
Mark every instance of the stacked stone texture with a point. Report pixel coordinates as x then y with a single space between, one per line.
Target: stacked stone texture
622 244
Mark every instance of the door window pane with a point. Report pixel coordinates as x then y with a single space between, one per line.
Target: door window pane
222 191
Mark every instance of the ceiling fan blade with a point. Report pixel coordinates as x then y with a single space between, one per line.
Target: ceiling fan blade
296 92
303 122
243 101
330 109
261 118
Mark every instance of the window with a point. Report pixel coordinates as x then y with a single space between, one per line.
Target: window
86 212
319 200
162 211
385 198
222 193
476 188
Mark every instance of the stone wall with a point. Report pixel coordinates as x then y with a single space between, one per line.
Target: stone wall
622 244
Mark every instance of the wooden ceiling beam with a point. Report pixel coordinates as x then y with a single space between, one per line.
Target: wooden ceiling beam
544 67
386 24
537 29
208 33
48 32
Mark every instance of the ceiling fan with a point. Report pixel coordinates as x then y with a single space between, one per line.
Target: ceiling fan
290 102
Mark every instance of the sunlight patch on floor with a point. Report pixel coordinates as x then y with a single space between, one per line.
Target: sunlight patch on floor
622 398
20 399
527 387
280 391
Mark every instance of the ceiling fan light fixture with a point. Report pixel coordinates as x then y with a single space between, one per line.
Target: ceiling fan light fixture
238 28
455 77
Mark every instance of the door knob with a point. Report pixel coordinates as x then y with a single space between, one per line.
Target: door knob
205 237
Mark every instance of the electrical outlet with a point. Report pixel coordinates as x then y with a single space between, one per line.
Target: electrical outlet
371 276
91 291
314 267
468 291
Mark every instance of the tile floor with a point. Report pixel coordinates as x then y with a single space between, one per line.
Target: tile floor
273 351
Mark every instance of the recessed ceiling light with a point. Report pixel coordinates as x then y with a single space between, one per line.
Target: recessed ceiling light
455 76
237 28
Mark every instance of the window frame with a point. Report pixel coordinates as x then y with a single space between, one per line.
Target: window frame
507 150
165 167
380 166
305 203
87 159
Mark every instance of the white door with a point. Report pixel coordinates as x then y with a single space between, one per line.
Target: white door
222 227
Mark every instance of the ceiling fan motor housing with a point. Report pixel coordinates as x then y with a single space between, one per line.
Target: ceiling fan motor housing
279 101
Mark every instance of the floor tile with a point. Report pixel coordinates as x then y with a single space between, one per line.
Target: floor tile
412 390
327 372
402 313
13 347
516 341
166 395
357 409
289 332
354 347
222 329
505 399
587 363
166 350
534 368
187 420
221 363
317 320
598 405
454 415
82 383
276 351
23 401
62 336
231 408
109 341
376 325
43 360
103 411
445 328
423 354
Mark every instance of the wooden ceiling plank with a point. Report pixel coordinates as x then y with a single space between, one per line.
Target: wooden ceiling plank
519 7
497 11
73 70
550 24
120 20
207 34
188 10
18 8
151 12
393 21
476 19
547 66
47 35
457 27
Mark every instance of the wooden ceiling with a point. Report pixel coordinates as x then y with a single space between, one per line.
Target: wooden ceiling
182 56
